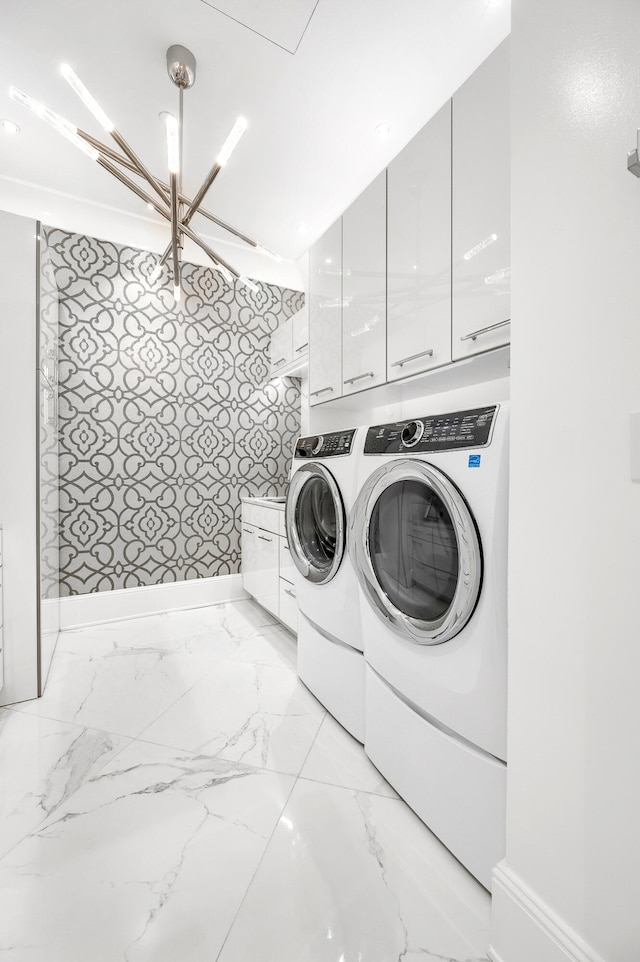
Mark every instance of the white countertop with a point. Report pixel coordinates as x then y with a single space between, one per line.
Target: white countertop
267 502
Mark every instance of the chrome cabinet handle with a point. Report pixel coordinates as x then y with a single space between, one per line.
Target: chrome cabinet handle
321 391
485 330
288 591
302 347
49 407
248 530
352 380
278 363
413 357
262 538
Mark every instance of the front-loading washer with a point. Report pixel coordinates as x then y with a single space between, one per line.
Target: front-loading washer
322 490
428 540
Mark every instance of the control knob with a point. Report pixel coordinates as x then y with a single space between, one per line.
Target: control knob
411 433
316 444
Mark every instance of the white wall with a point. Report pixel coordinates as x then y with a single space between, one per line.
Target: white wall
76 215
18 493
569 888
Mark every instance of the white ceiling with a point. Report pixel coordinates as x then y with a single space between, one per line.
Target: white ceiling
312 77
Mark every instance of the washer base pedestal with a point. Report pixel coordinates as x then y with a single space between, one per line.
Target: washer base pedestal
334 672
459 792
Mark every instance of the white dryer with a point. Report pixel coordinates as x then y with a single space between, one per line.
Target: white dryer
322 491
428 537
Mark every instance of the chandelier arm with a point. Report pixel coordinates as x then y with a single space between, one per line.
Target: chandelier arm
140 167
107 151
142 194
225 268
225 226
175 236
162 260
186 230
194 206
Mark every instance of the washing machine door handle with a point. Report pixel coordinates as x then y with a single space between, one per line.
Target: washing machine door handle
416 551
317 551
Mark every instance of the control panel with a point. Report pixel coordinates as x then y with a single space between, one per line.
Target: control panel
437 432
325 445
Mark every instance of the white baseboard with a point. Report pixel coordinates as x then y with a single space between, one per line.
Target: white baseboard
525 929
99 607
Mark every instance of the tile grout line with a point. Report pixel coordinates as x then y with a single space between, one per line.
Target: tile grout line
255 872
296 779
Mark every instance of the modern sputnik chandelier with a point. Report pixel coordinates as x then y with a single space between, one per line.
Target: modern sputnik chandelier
167 199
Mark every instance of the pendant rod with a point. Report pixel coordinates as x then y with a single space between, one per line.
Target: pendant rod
180 132
175 236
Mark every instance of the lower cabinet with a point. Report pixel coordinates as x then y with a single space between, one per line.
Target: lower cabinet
260 574
267 570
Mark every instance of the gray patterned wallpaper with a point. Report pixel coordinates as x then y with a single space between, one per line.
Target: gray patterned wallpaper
49 447
166 419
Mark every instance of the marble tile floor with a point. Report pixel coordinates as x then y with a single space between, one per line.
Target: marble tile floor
178 795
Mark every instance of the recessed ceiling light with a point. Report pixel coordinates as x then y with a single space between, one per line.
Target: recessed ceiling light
9 127
328 260
383 130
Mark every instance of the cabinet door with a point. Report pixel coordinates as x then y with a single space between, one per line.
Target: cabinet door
419 251
281 346
267 581
481 208
364 289
248 550
300 324
325 316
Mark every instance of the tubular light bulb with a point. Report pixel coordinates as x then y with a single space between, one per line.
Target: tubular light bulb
87 99
225 273
155 273
59 124
231 142
173 144
176 294
247 283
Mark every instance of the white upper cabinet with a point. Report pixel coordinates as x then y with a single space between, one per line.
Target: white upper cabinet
481 208
364 289
300 333
281 347
419 251
325 316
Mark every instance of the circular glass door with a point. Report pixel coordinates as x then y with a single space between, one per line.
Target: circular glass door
315 523
417 551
